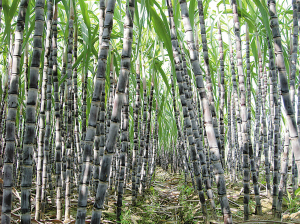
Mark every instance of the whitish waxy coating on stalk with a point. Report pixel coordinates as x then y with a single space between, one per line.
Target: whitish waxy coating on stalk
29 135
123 153
116 112
190 121
69 142
243 102
283 179
149 111
235 112
136 116
258 209
46 175
187 121
198 142
95 104
222 95
59 137
293 61
298 107
141 164
42 152
154 148
97 157
147 121
294 49
142 139
101 21
11 117
290 118
259 124
219 172
264 141
294 168
179 133
209 86
84 84
99 138
76 121
233 138
108 118
229 153
58 162
63 111
274 94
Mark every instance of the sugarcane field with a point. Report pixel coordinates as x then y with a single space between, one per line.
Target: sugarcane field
149 111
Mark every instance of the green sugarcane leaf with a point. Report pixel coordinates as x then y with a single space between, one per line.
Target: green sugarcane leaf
95 34
79 59
67 11
254 48
192 12
13 9
161 106
162 30
94 51
265 15
7 20
95 40
297 192
164 76
62 79
85 14
27 36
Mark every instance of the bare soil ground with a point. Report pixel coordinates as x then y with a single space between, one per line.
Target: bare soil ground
169 200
